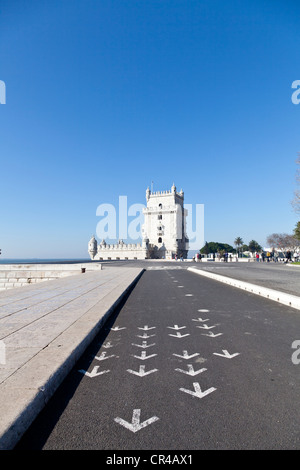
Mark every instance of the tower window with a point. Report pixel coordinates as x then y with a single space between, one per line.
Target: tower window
160 240
160 217
160 206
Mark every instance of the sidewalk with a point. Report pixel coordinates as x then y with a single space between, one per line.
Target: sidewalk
44 329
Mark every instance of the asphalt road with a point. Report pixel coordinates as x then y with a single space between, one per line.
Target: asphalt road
187 363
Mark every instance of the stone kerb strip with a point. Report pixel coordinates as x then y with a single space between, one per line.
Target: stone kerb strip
25 393
281 297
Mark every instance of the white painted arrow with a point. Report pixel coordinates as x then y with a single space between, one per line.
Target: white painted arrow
191 370
146 328
143 345
145 336
198 393
179 335
186 355
107 345
211 334
135 424
118 328
206 327
103 356
143 356
226 354
141 372
176 327
200 319
94 372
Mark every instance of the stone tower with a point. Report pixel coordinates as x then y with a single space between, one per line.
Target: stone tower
164 224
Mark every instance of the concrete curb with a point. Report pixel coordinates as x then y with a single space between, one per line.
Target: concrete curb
271 294
47 370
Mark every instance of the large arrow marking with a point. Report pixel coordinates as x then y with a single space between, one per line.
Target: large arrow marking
94 372
103 356
146 328
185 355
118 328
141 372
206 327
179 335
143 345
191 370
198 393
135 424
176 327
143 355
211 334
145 336
226 354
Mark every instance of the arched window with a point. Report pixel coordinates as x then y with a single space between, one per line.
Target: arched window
160 206
160 217
160 240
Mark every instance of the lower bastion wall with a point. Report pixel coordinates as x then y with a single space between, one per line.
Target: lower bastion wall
119 251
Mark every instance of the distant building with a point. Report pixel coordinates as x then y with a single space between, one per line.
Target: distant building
163 232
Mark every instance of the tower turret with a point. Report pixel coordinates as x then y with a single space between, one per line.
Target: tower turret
147 194
92 247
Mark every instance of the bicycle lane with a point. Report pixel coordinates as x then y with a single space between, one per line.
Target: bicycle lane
187 364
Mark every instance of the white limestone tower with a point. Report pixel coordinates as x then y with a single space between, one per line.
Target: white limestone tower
164 224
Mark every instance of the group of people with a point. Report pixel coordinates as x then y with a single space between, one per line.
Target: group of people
272 256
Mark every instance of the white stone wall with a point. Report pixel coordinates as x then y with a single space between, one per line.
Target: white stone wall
115 254
24 275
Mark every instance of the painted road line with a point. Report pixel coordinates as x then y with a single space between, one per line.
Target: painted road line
135 424
206 327
179 335
185 355
141 372
103 356
176 327
197 391
226 354
146 328
271 294
191 370
145 336
144 356
144 345
200 319
211 334
94 372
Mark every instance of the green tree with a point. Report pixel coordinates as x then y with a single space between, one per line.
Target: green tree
216 247
297 231
238 243
205 250
254 246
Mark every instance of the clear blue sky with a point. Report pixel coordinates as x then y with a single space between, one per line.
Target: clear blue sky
105 96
